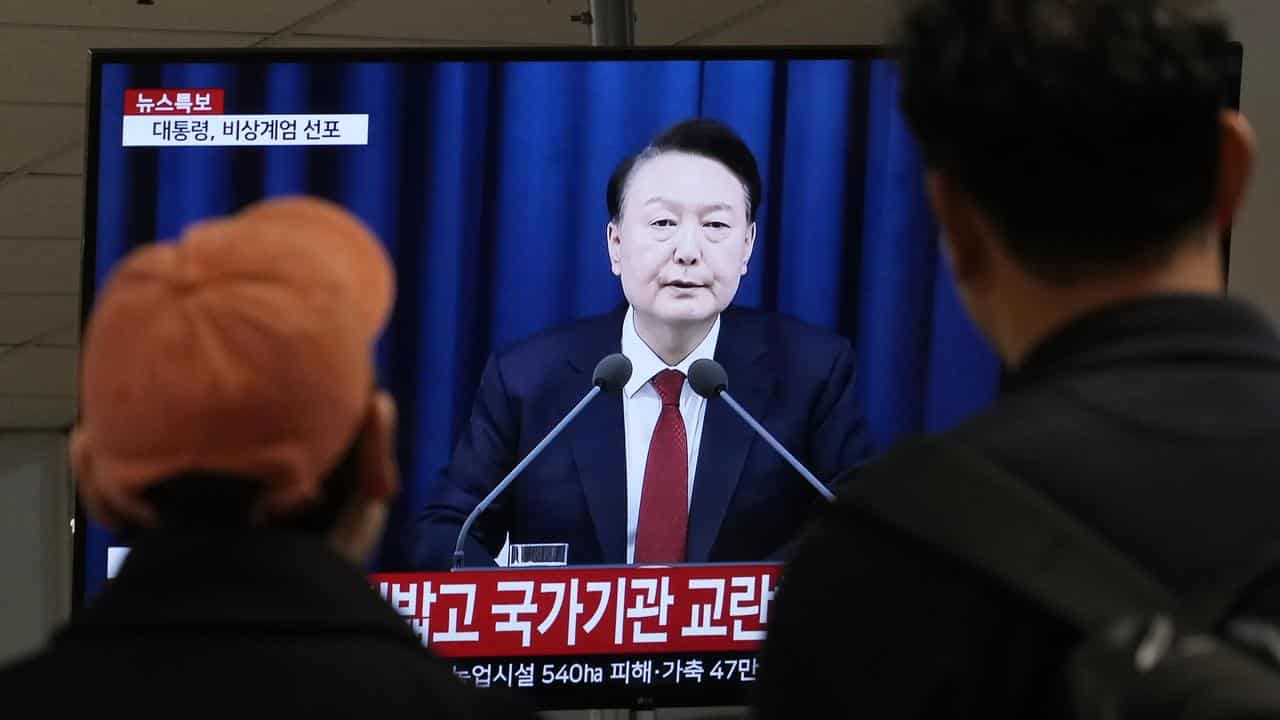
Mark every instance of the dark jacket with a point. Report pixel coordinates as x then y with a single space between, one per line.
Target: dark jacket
1156 423
229 624
747 503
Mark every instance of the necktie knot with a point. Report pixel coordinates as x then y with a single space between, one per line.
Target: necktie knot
669 383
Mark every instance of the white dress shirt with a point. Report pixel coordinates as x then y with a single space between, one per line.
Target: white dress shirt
641 406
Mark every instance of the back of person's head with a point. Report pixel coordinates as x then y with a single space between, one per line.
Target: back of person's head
1089 132
703 137
228 380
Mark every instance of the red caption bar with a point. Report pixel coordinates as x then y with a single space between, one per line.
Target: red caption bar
173 101
567 611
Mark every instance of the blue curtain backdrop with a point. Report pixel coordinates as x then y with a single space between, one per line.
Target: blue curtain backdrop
486 181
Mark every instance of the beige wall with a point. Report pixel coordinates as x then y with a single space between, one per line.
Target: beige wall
1255 256
35 539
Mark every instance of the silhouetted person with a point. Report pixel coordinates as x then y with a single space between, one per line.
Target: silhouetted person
231 427
1084 167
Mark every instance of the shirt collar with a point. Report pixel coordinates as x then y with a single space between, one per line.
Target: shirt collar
645 363
1161 327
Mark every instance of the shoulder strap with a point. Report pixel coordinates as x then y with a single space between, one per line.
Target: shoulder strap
1232 587
959 502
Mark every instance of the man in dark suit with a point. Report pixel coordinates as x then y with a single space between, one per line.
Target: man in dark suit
230 427
661 475
1084 166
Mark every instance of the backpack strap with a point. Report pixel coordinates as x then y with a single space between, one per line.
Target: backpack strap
962 504
1216 604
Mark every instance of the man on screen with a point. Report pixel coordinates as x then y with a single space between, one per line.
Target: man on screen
661 475
230 427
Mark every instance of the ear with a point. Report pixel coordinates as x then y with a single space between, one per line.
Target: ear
81 460
362 524
965 230
78 456
380 472
613 242
110 505
1238 150
751 245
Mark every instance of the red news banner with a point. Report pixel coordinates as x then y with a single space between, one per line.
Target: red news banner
173 101
580 611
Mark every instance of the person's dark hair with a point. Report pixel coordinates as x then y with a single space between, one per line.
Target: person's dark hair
700 136
210 500
1088 130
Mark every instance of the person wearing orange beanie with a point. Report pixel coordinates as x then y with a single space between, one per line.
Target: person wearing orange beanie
231 427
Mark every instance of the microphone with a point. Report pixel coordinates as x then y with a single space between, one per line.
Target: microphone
612 372
708 379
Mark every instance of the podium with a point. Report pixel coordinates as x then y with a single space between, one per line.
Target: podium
595 636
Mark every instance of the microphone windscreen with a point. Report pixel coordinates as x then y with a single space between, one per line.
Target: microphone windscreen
708 378
612 372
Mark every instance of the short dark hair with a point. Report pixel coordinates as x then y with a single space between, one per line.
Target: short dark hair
211 500
705 137
1088 130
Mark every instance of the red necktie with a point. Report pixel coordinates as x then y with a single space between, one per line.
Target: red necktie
664 499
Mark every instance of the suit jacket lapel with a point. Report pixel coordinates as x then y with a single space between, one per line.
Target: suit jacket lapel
598 441
726 439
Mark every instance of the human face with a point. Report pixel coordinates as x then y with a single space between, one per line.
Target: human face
683 239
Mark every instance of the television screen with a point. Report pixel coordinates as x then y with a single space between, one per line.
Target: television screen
543 210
